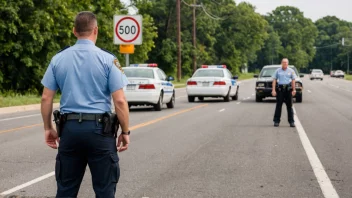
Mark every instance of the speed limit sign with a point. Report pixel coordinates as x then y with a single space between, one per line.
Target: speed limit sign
128 29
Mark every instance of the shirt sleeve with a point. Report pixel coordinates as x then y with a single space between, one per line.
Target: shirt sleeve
49 80
275 76
293 77
116 80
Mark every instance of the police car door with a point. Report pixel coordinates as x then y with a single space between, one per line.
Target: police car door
232 82
166 86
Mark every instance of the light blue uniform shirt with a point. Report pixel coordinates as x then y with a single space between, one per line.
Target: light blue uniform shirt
86 76
284 77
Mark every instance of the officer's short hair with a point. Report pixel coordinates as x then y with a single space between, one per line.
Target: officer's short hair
285 59
84 23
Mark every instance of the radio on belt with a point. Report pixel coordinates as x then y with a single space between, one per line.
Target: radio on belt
213 66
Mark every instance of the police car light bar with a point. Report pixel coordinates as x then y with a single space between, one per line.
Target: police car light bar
213 66
144 65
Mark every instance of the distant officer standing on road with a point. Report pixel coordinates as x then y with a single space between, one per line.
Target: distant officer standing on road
87 130
284 77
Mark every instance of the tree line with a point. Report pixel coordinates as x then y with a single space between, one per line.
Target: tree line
33 31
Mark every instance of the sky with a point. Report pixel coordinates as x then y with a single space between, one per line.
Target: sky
313 9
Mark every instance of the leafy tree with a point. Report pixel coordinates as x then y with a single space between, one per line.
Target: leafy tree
297 34
33 31
330 54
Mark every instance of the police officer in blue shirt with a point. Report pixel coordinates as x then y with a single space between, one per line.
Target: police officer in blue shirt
284 77
87 77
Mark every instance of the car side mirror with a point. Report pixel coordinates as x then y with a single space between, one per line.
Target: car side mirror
255 75
170 78
235 77
301 75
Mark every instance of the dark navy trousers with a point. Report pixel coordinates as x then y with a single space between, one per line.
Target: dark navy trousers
81 144
284 96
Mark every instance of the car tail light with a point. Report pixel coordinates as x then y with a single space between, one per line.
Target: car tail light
191 83
219 83
147 86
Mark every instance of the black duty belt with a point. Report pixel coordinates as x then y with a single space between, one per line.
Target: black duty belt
84 116
284 86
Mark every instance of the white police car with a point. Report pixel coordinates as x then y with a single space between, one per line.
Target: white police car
148 85
212 81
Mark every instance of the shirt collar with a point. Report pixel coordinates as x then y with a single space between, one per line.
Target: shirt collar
85 41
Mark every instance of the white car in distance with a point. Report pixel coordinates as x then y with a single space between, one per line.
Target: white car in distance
148 85
214 81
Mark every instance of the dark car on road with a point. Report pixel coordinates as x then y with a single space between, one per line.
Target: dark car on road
263 85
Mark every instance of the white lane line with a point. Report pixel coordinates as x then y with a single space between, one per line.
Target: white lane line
253 94
345 89
248 98
27 184
27 116
334 86
309 91
238 103
180 97
221 110
318 168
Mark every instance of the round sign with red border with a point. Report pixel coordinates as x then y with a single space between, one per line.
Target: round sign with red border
128 30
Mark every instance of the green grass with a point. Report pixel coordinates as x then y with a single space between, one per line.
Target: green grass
348 77
182 82
17 100
245 76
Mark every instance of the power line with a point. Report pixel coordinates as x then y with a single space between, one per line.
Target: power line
327 46
186 3
210 15
216 2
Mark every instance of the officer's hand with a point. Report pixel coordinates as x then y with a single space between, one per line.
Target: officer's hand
293 93
273 93
51 138
125 140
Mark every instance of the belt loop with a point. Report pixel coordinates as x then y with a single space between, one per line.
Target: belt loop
80 118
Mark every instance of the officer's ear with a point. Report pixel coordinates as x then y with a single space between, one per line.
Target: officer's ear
95 30
74 31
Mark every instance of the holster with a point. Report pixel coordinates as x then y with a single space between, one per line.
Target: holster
281 88
110 124
59 121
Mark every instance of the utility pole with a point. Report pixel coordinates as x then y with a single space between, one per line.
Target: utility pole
348 63
194 38
178 13
330 59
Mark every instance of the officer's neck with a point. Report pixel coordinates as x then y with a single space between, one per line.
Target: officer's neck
87 38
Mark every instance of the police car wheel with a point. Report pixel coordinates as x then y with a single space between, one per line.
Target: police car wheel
235 97
191 98
171 104
227 97
159 105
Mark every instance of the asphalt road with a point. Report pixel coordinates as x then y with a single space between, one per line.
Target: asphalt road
208 149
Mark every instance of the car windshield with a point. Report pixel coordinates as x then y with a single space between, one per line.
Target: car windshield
209 73
139 73
317 71
268 72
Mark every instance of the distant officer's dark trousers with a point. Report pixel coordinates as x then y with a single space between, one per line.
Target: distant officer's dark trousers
284 95
81 144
